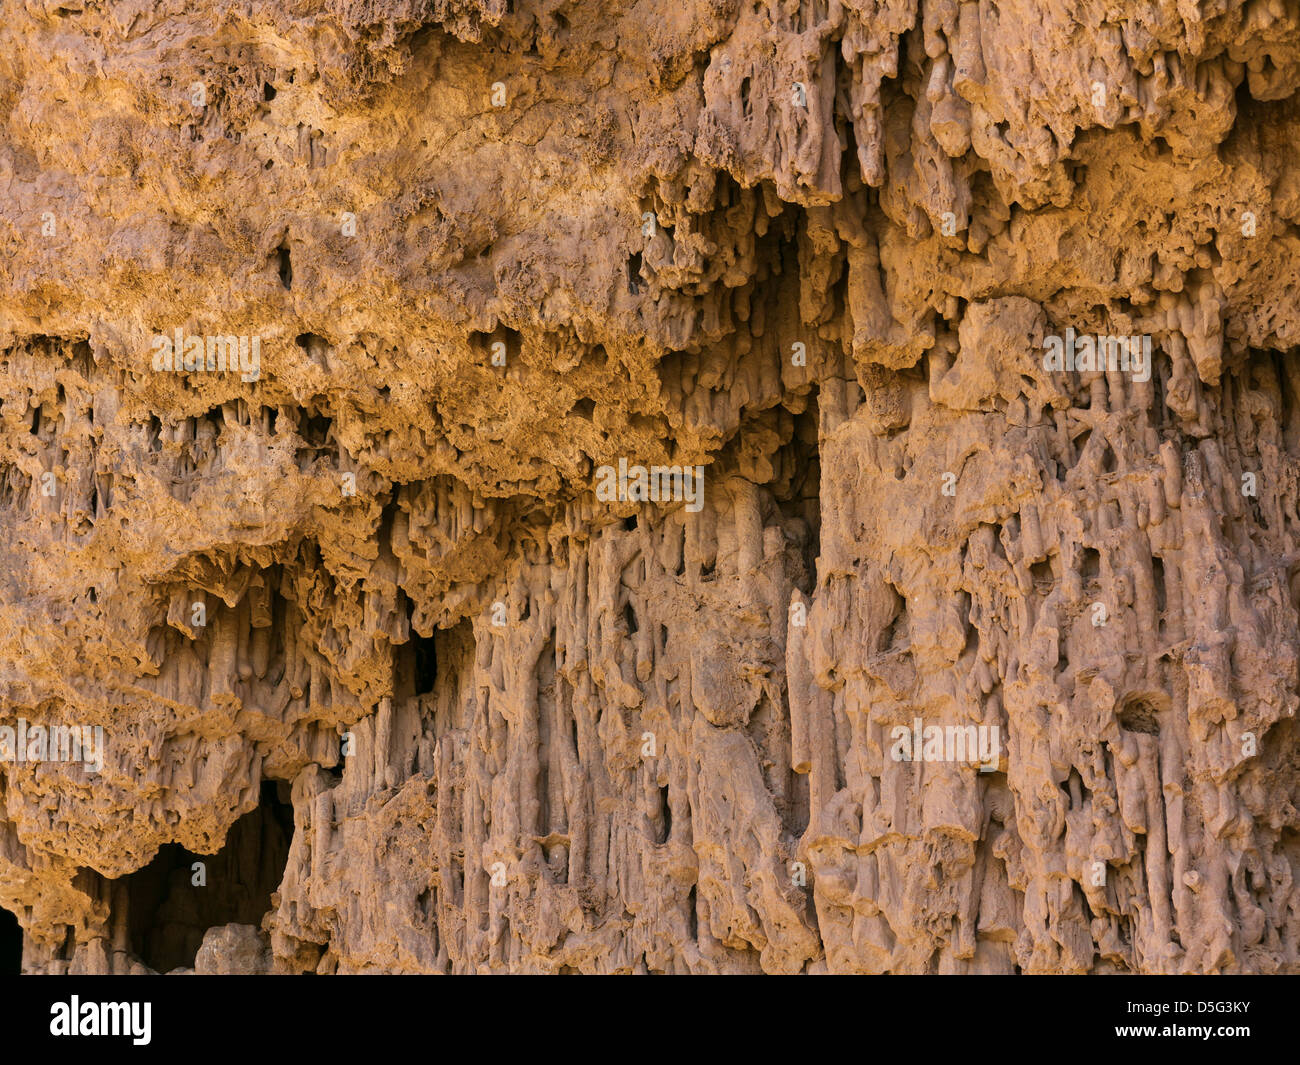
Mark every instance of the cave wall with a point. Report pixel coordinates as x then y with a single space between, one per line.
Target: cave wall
817 249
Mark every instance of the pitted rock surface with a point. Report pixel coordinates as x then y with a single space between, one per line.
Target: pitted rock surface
386 686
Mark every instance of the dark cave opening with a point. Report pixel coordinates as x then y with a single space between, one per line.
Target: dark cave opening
171 904
314 427
424 662
416 661
11 945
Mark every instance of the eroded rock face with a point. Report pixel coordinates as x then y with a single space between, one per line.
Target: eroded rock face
376 664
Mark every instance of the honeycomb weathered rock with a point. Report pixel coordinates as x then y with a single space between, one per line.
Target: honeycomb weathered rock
484 248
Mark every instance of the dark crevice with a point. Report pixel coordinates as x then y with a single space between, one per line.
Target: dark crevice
798 496
421 665
1090 568
315 429
896 629
285 267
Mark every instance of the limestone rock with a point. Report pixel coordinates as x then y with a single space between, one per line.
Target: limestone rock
325 326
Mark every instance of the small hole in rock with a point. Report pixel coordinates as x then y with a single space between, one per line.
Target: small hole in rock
667 815
1139 715
1090 569
286 266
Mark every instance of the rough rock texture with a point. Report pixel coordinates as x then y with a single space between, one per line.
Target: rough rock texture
468 716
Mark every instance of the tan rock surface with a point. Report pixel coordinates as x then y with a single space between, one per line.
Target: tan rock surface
385 687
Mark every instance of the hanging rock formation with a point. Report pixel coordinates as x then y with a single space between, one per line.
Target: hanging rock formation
386 682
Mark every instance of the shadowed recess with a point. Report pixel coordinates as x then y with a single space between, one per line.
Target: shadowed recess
169 913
